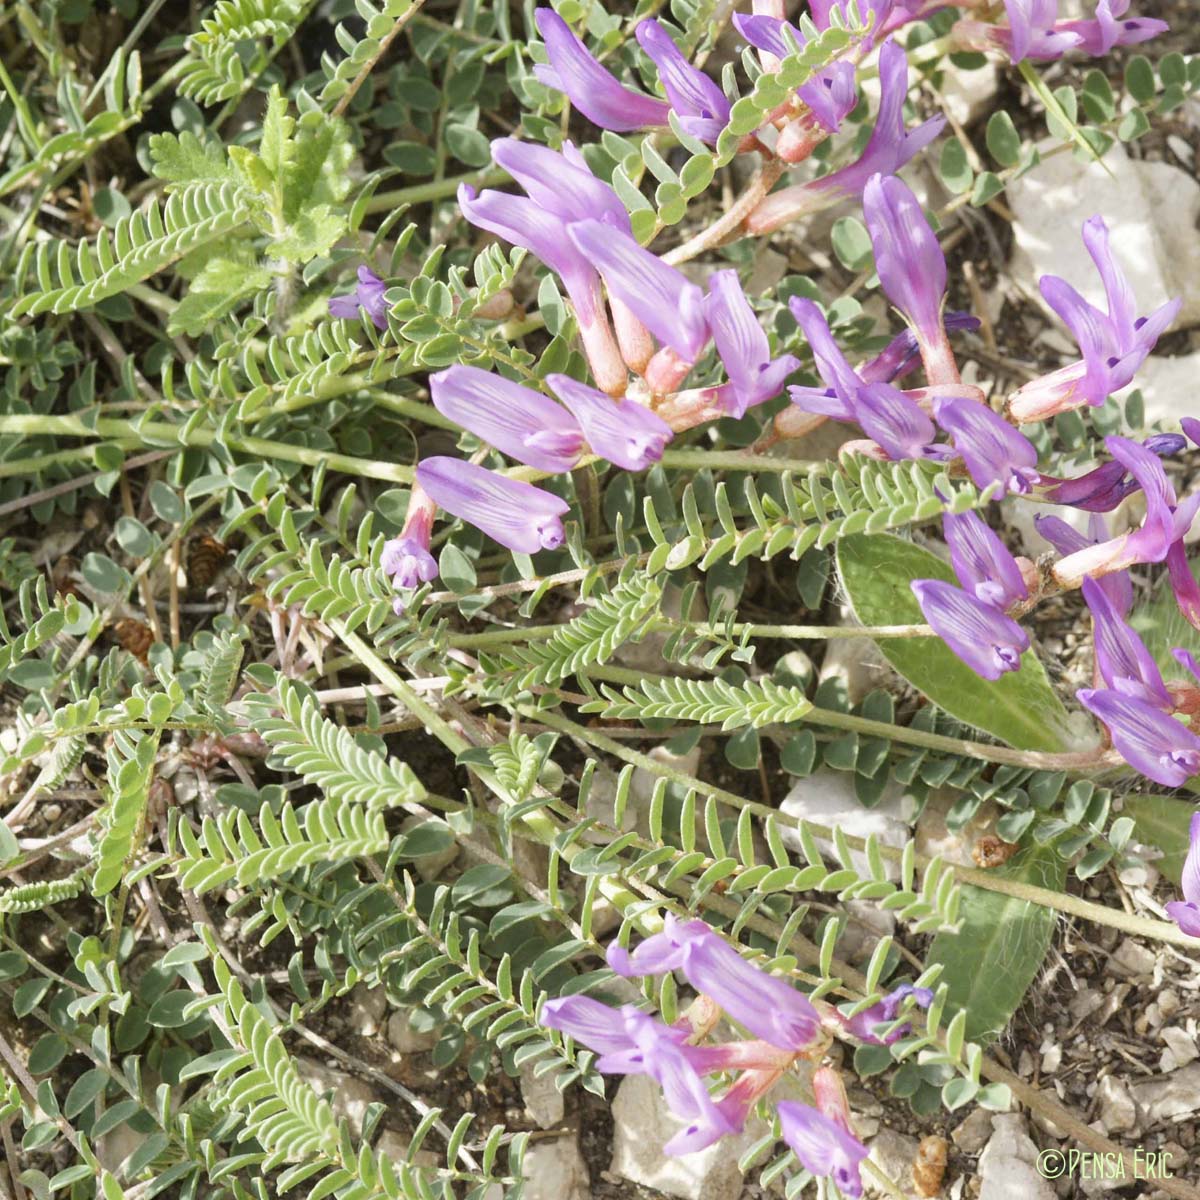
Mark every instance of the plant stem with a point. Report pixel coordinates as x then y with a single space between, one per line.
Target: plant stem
538 633
438 189
156 433
1085 762
369 65
728 224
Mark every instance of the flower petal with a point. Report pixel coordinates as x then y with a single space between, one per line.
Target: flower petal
518 515
692 94
1151 742
987 640
590 88
622 431
662 298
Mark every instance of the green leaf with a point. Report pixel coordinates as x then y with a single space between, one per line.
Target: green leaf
215 291
1139 78
312 233
954 168
1003 140
186 159
1020 708
1163 821
990 963
851 243
276 148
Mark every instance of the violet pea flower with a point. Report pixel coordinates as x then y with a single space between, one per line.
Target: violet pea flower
742 345
560 183
993 451
895 422
862 1025
407 558
632 1043
768 1007
1125 664
622 431
1114 344
1186 912
701 106
589 86
1110 27
982 562
516 420
1148 739
519 516
1105 486
889 148
891 419
662 298
1117 585
987 640
823 1145
1159 539
1032 31
523 222
910 263
367 295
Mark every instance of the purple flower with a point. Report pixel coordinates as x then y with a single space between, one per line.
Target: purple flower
753 375
910 263
889 148
1107 29
1148 739
407 558
862 1025
982 561
1116 584
523 222
768 1007
519 516
1125 664
886 415
1105 486
1031 31
1159 538
518 421
986 639
408 562
368 294
1186 912
1114 344
589 87
994 452
622 431
823 1145
632 1043
662 298
701 106
560 183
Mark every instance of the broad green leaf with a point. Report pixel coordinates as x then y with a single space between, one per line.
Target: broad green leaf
1020 708
990 963
1163 821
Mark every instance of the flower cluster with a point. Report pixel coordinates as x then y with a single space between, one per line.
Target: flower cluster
1035 32
973 619
786 1026
1135 704
912 272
